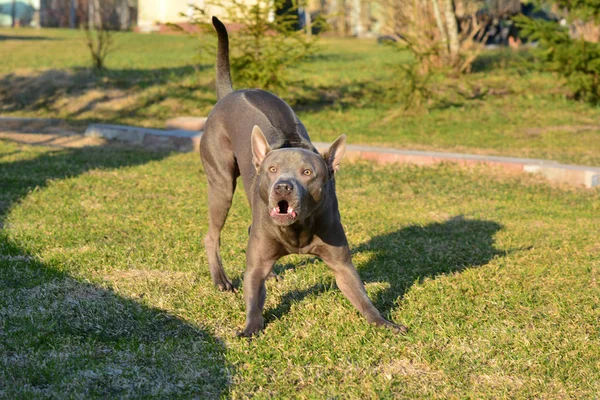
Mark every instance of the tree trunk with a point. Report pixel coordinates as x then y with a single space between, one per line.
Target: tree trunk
72 14
357 27
308 20
453 42
341 17
14 13
441 28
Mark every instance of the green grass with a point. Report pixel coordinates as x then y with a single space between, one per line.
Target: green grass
105 291
348 88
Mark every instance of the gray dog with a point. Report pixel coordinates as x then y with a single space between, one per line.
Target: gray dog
289 185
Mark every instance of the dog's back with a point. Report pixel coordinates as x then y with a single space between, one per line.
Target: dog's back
227 127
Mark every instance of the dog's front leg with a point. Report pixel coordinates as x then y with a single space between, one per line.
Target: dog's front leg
258 268
349 282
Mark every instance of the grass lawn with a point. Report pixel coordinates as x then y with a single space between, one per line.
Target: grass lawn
345 89
105 290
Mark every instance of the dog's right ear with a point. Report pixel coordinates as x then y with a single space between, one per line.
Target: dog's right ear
260 146
333 156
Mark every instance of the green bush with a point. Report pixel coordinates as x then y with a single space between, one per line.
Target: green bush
266 44
577 60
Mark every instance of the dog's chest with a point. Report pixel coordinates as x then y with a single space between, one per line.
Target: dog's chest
296 241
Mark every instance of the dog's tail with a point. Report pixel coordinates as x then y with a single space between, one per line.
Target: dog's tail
224 86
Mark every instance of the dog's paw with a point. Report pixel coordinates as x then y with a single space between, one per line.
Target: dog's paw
225 286
253 328
396 328
247 335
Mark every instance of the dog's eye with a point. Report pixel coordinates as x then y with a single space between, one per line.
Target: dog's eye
272 169
307 172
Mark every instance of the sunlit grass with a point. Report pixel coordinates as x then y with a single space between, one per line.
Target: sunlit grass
105 291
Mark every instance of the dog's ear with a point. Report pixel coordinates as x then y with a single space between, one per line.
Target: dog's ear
333 156
260 146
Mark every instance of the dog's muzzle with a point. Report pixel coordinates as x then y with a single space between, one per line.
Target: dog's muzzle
282 202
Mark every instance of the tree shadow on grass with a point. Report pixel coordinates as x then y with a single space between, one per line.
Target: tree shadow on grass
66 338
72 92
118 94
380 95
26 38
410 255
75 91
331 57
503 58
306 97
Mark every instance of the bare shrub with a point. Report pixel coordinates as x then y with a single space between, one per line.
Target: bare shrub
442 34
99 22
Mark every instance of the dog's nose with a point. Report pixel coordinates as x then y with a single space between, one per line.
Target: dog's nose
283 187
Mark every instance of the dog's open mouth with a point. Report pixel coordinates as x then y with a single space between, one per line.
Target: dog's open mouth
283 210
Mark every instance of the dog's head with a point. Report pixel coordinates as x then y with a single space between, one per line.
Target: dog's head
292 180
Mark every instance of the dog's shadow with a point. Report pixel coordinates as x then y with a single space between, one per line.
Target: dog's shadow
410 255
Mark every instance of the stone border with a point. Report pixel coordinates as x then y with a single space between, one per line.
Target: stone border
576 175
182 140
174 139
189 140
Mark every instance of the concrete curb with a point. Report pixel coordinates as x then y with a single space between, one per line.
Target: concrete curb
174 139
576 175
186 123
189 140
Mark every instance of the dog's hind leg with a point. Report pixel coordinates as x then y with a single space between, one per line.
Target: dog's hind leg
222 172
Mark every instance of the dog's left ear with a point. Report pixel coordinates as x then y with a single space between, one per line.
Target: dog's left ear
260 146
333 156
